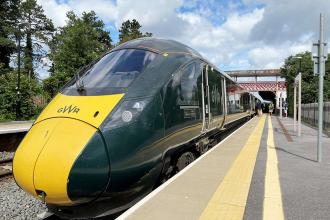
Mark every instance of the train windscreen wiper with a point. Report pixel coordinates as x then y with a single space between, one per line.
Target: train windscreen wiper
79 83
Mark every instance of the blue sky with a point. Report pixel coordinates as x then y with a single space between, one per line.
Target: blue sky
233 34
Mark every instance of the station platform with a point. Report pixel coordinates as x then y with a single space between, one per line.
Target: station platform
261 171
15 126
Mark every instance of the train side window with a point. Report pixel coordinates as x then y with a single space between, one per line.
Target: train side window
215 88
231 90
182 101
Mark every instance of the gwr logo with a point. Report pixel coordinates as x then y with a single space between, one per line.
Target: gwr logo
68 109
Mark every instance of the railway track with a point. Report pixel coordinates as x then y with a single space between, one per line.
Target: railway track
6 167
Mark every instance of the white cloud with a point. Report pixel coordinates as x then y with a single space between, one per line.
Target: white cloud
221 43
149 13
289 20
57 12
105 9
257 37
265 57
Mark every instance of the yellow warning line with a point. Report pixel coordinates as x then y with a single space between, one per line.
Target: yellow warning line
229 200
273 208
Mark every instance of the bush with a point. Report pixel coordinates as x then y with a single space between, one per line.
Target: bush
9 96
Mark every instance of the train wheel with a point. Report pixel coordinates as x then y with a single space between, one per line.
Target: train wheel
184 160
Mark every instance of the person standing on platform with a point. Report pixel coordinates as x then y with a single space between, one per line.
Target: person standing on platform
286 109
271 108
259 108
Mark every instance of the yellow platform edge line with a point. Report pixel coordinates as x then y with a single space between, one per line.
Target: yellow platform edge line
229 199
272 205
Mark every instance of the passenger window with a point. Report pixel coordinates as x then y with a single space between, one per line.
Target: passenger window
183 100
215 88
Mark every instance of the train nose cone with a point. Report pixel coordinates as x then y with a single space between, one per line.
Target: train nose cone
64 160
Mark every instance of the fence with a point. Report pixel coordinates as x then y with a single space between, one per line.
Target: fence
310 114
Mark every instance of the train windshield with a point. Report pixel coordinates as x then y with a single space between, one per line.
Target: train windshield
115 70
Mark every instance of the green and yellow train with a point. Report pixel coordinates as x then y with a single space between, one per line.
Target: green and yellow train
127 122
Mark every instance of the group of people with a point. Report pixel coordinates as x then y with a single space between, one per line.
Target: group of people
259 108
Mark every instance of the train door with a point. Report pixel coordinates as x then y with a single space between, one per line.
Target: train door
216 99
205 99
182 104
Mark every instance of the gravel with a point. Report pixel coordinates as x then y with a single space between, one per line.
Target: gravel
6 155
15 203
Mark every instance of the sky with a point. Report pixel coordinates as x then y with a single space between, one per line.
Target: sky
232 34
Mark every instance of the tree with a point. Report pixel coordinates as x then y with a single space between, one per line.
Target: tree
30 89
75 45
8 15
131 30
309 89
37 30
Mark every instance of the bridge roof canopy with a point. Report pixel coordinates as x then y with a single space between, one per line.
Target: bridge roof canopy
253 73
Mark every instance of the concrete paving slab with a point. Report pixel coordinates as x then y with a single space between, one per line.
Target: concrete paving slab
304 182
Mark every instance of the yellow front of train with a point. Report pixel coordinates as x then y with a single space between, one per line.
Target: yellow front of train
64 159
67 126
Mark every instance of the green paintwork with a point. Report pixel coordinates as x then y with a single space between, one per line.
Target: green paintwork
89 175
132 151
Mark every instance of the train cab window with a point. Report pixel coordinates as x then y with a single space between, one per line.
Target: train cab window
188 73
117 69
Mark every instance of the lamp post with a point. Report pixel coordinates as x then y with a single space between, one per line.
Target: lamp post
297 83
18 87
319 56
18 35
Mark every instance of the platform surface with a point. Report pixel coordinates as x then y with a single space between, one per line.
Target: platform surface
15 126
261 171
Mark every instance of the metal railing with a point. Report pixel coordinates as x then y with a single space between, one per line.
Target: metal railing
309 114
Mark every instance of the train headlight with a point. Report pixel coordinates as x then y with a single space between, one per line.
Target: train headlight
128 112
126 116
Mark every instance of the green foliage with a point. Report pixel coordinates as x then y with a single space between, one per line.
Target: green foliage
81 41
37 30
75 45
131 30
8 15
30 89
310 86
53 84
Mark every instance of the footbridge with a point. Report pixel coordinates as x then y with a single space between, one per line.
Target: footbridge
268 83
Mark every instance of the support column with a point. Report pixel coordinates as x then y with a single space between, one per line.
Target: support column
299 105
281 104
295 108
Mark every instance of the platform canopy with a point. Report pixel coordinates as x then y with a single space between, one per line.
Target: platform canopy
256 94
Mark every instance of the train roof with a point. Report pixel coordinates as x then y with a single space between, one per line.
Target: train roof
163 46
159 45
